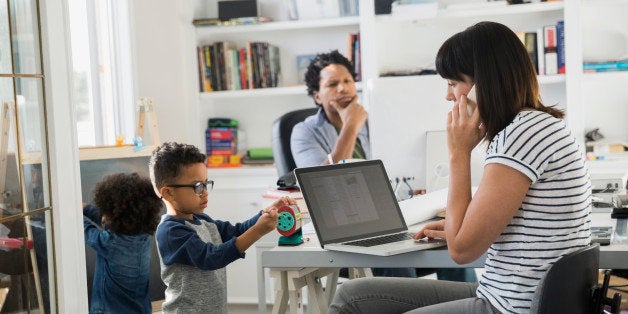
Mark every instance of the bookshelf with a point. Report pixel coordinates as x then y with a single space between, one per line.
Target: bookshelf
237 192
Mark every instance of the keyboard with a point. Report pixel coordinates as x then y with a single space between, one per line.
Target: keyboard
381 240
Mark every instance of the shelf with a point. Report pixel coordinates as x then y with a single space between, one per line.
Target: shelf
97 152
262 92
607 76
480 10
551 79
245 170
598 3
278 26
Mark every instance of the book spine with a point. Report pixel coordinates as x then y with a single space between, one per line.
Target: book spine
531 47
560 46
249 65
208 69
242 64
201 69
216 62
540 51
358 59
551 57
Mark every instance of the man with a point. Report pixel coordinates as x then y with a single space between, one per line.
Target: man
339 130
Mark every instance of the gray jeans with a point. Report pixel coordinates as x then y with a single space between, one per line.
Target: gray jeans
401 295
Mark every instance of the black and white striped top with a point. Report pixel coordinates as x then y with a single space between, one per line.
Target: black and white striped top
553 219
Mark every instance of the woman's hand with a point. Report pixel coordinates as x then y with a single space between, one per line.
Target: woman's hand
432 230
464 131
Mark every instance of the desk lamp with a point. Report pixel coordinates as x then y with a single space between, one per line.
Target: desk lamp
289 225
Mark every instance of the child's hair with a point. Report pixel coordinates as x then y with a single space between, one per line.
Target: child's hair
169 159
128 203
321 61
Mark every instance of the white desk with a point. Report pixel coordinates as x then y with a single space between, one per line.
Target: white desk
311 255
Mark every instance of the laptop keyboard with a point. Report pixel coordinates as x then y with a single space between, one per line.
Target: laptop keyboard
381 240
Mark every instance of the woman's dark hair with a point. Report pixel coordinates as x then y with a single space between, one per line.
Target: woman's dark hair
129 204
168 160
501 69
321 61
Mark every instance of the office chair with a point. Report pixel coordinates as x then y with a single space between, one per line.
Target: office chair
571 285
282 130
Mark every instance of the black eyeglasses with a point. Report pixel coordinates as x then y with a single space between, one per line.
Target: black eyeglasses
199 187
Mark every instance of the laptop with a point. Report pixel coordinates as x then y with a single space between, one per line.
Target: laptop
354 209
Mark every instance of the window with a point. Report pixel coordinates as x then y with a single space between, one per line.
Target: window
27 275
103 84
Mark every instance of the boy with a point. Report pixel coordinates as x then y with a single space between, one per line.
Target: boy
194 248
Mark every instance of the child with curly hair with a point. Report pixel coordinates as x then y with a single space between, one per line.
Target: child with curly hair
119 228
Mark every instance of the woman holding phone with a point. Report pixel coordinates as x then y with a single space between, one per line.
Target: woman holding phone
532 205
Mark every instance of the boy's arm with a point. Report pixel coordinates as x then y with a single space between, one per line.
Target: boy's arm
180 244
228 231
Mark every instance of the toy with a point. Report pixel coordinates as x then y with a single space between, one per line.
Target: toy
289 225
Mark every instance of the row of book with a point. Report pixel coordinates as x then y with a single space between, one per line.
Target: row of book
221 141
223 66
608 66
546 48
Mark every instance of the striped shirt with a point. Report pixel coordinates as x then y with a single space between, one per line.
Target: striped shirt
553 219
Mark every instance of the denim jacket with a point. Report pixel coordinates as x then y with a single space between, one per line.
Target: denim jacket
122 268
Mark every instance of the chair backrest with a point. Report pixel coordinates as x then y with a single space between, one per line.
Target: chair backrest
567 286
282 130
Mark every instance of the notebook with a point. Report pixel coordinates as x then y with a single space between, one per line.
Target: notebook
354 209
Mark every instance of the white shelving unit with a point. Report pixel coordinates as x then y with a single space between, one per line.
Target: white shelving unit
237 192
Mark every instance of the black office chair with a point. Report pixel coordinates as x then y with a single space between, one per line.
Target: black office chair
571 285
282 130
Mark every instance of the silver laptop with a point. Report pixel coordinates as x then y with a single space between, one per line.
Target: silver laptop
354 209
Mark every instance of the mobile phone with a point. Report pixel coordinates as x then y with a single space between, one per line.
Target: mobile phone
471 96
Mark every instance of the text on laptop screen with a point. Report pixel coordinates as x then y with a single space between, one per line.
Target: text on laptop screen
350 199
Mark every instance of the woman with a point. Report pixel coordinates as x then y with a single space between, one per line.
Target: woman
532 205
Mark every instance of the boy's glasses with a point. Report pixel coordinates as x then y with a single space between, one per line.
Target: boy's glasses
199 187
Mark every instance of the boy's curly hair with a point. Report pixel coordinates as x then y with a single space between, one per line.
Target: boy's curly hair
129 203
168 160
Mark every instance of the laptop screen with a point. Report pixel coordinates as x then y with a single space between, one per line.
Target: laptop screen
350 201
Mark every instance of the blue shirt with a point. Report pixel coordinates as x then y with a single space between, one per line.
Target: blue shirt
314 138
121 283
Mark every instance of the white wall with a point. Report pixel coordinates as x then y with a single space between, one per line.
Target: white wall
162 64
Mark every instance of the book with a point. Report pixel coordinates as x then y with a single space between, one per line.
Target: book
605 66
540 52
531 47
560 47
551 56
